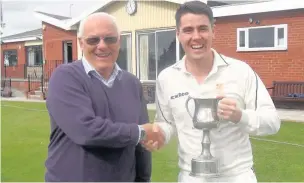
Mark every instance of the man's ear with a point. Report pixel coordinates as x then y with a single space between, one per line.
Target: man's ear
80 42
177 31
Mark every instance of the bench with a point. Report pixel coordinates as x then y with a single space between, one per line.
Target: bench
288 94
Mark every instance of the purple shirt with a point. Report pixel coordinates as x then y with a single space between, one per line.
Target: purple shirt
94 128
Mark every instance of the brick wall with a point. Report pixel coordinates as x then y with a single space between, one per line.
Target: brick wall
270 65
23 85
16 71
53 38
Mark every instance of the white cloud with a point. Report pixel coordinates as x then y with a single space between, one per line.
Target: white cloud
18 16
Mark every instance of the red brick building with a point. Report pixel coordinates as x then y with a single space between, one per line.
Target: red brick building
22 56
267 35
282 61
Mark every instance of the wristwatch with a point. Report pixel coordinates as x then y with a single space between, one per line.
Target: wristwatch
142 134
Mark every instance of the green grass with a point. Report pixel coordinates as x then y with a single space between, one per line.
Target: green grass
25 135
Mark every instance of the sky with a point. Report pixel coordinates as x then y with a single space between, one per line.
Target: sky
18 15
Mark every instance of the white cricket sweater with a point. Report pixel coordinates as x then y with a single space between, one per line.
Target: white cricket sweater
230 142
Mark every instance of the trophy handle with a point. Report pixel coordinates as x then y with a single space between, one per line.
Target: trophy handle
187 102
215 116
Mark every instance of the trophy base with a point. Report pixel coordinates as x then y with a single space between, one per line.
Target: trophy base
204 167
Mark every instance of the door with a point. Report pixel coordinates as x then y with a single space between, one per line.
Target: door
67 52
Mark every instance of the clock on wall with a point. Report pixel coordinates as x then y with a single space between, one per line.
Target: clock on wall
131 7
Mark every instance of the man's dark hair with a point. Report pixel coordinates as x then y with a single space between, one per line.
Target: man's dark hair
194 7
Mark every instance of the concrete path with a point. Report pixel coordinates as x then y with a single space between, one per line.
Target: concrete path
291 114
285 114
20 99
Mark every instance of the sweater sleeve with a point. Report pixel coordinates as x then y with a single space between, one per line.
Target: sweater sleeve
143 156
71 109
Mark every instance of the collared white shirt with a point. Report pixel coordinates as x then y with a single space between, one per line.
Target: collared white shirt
229 142
90 69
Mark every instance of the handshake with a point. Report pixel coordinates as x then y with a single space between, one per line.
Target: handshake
154 137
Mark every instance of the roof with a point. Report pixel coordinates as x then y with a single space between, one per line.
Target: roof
53 19
31 35
58 17
258 6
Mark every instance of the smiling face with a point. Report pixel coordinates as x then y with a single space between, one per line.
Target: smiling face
100 42
195 34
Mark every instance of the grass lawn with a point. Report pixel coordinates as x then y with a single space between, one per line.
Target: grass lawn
25 135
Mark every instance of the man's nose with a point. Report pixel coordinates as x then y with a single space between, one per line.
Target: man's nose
196 34
101 44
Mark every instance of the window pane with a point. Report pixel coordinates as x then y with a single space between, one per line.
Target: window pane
281 36
34 55
166 45
147 63
30 56
261 37
124 57
38 55
242 39
10 57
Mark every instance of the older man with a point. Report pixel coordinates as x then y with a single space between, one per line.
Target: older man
245 108
98 116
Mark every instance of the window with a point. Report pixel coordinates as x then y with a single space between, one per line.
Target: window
34 55
10 57
156 50
124 59
262 38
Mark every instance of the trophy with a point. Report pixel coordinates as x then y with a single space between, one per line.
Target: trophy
204 118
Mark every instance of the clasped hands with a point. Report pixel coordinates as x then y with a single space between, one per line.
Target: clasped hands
155 137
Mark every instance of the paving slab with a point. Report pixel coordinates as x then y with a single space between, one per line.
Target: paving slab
291 114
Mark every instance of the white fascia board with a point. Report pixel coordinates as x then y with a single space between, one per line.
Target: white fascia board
51 21
260 7
21 39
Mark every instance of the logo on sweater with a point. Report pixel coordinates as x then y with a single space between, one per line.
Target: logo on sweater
179 95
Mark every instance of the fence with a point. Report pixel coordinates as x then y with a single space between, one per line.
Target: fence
22 71
47 69
36 76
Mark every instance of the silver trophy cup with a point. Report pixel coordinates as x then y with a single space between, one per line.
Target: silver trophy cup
204 118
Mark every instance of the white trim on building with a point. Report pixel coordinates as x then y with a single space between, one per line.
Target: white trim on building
34 38
218 11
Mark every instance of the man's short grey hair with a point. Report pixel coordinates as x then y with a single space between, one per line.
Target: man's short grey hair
83 21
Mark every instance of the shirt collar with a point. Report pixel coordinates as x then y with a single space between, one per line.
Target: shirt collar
218 62
89 68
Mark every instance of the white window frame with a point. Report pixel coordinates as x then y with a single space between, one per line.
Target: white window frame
276 46
137 50
129 62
